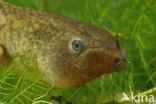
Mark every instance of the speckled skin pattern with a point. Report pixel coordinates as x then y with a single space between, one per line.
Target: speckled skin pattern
45 37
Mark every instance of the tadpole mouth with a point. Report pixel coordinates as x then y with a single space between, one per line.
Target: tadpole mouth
121 60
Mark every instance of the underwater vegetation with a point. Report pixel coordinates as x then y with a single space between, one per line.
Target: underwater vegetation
134 21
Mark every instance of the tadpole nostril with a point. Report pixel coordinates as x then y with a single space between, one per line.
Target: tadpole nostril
117 60
120 60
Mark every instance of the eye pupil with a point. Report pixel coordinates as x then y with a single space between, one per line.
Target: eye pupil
76 45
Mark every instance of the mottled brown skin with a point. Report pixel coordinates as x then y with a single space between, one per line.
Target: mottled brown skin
45 37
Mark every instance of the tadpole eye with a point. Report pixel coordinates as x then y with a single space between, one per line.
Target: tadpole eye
76 45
